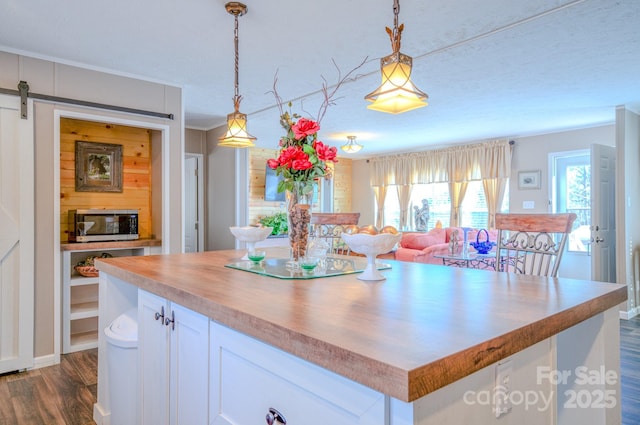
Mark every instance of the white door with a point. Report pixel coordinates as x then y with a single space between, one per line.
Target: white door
603 224
16 235
193 203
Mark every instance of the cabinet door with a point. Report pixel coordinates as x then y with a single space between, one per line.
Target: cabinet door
248 378
189 361
153 356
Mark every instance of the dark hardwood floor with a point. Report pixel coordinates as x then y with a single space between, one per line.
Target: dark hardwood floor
630 370
64 394
56 395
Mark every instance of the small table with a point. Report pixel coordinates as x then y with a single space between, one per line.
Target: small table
469 260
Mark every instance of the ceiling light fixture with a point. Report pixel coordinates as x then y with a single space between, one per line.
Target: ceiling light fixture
236 135
396 94
351 146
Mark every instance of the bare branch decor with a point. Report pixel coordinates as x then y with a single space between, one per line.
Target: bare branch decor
98 167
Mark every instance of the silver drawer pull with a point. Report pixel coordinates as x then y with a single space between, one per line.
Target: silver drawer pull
160 315
275 417
171 321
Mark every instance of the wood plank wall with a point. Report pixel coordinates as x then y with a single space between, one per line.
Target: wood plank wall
136 182
258 207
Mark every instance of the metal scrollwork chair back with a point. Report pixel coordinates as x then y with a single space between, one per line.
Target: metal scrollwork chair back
532 244
329 227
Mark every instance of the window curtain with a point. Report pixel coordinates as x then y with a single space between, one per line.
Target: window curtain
457 191
404 196
455 165
380 193
493 194
495 167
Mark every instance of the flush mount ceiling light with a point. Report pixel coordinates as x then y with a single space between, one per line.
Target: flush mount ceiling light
236 135
351 146
396 94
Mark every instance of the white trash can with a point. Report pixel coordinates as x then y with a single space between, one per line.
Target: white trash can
122 363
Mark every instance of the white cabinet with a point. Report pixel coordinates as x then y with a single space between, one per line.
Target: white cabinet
80 297
250 380
173 344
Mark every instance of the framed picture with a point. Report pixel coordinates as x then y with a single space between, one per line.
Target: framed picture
529 179
98 167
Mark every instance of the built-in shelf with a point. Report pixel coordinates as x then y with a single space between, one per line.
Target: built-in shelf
84 310
80 294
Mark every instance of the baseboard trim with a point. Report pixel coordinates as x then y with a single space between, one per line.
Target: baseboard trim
44 361
99 416
629 314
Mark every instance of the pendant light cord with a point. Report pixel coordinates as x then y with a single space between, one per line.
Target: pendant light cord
236 97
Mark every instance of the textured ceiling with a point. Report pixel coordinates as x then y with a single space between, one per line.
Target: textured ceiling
492 68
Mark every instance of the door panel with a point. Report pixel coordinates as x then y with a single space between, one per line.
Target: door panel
16 236
603 225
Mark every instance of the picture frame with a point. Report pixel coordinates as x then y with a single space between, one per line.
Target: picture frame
98 167
529 179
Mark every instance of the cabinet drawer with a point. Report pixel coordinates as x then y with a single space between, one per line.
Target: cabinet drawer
248 377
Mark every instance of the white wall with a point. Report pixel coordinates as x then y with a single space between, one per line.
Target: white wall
222 192
532 153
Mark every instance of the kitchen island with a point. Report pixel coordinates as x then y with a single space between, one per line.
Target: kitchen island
427 345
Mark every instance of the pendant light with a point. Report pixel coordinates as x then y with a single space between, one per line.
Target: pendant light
236 135
351 146
396 94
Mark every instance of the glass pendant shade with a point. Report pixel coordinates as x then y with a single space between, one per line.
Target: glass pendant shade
351 146
237 135
396 94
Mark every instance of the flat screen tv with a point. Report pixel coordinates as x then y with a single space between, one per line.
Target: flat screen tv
271 181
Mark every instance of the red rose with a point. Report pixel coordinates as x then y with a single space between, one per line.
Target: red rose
291 154
302 164
304 128
325 153
272 163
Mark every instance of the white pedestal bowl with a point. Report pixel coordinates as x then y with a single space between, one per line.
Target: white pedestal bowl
250 235
371 246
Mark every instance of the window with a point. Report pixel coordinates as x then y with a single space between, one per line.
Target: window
572 193
474 206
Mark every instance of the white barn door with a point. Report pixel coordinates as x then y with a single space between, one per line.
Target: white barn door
16 235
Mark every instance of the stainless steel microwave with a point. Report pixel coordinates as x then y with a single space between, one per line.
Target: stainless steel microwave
92 225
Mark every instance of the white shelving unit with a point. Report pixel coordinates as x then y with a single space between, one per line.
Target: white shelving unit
80 294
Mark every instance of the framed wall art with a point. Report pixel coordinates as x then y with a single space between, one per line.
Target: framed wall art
529 179
98 167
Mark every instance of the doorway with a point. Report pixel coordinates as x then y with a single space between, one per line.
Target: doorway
193 203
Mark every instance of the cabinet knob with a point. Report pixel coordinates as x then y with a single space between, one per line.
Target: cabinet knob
171 321
160 315
275 417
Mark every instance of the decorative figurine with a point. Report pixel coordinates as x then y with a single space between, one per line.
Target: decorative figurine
421 216
453 242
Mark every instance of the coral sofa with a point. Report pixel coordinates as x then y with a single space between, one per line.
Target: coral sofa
421 247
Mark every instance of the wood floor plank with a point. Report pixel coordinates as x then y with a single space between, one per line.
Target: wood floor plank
73 399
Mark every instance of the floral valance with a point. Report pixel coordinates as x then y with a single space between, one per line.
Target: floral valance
488 160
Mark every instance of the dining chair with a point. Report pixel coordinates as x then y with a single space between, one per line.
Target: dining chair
532 244
329 227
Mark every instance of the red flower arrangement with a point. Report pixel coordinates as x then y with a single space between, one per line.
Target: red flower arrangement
302 157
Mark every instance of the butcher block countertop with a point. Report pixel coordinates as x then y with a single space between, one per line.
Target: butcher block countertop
421 329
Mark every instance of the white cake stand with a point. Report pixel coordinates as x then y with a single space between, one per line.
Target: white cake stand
371 246
250 235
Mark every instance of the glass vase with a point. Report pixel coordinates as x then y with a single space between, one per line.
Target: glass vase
298 218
